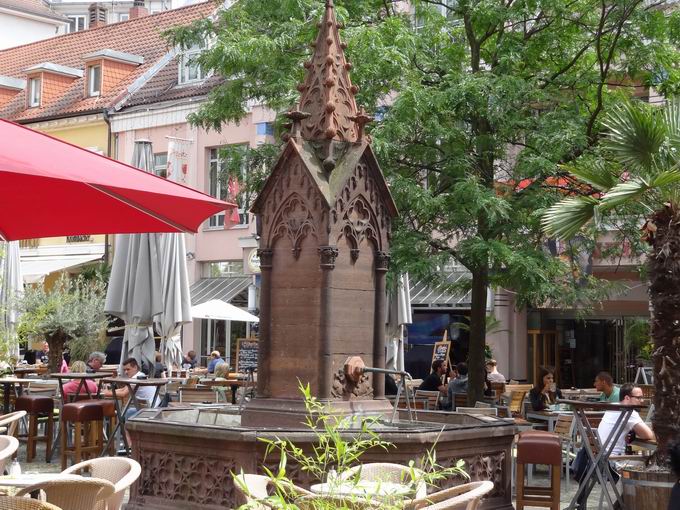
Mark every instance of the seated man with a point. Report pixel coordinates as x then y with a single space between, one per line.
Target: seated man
459 384
605 384
95 361
629 394
190 360
216 359
493 375
144 393
433 382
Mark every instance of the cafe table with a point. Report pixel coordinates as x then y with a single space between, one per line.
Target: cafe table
232 383
81 377
362 488
598 453
27 479
8 385
133 385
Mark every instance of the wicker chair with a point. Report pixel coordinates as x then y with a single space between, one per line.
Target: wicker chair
13 503
461 497
8 446
255 489
73 493
388 472
11 421
120 471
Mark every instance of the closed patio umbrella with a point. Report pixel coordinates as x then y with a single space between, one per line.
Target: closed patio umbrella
11 287
398 315
135 285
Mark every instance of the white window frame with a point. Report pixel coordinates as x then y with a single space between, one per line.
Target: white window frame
123 16
34 92
188 65
91 70
215 166
158 168
76 18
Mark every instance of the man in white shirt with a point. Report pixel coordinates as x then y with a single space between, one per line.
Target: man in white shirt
628 395
145 393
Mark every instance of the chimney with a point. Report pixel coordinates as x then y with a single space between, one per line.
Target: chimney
97 14
138 10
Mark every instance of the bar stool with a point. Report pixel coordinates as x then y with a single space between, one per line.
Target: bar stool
538 447
37 407
110 418
87 417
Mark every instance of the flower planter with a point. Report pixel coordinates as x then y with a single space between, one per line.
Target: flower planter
647 490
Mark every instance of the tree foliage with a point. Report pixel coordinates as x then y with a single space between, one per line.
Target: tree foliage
477 103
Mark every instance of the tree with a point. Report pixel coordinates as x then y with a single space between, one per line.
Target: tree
638 170
70 311
477 102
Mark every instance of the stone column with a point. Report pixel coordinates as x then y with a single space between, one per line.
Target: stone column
265 340
327 255
382 261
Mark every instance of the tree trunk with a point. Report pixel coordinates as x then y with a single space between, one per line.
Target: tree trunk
476 368
57 342
664 292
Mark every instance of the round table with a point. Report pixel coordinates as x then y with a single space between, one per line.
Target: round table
361 488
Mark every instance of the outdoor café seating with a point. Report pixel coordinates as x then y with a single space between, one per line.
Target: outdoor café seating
19 503
388 472
74 493
120 471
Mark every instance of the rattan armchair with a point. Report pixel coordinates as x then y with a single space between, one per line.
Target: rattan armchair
73 493
120 471
11 421
16 503
8 446
255 489
388 472
461 497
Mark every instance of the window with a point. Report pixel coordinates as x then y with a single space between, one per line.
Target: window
94 80
219 189
160 164
34 85
225 268
265 128
189 70
76 23
124 17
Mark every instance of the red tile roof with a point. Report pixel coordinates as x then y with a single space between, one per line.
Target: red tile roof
34 7
141 36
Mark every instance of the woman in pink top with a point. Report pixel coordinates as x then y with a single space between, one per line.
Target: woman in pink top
71 387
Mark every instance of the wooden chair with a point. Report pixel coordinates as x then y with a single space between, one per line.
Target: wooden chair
460 400
432 398
515 406
479 404
498 388
564 427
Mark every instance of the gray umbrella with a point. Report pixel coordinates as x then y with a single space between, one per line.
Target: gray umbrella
11 287
398 315
135 292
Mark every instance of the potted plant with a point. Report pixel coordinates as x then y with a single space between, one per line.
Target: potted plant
638 176
71 310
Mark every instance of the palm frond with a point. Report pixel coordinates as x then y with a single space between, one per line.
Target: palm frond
566 218
671 116
636 187
635 134
593 172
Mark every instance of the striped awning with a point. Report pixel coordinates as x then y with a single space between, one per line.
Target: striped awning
425 295
225 289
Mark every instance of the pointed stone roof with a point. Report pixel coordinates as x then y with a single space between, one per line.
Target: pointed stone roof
327 109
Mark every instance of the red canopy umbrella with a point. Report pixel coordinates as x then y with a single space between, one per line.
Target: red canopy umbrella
52 188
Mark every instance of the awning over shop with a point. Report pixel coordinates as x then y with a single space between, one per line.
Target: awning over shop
35 268
441 296
224 289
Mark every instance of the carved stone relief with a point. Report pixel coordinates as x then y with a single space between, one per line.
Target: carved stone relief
483 466
295 222
346 389
181 477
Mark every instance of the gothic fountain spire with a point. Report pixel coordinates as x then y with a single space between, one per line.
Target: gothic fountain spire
327 109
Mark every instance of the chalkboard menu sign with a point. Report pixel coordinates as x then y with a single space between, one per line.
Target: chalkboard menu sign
246 354
441 350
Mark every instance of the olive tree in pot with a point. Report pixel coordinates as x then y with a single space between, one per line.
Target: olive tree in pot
638 177
70 310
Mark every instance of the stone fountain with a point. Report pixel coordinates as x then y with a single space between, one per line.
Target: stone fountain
324 219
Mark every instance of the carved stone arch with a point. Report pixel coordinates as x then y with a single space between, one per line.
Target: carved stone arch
359 223
294 220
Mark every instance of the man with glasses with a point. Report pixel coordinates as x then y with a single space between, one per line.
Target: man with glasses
629 394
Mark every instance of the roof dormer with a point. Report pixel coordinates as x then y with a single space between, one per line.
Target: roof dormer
106 68
9 88
49 81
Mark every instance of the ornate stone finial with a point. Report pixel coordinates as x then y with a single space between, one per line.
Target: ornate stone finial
296 117
361 119
327 92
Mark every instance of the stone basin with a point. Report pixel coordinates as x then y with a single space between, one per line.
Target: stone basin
188 455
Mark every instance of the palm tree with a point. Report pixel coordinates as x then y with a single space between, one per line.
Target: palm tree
640 170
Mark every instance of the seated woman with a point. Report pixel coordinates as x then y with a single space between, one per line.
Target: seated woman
71 387
545 392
